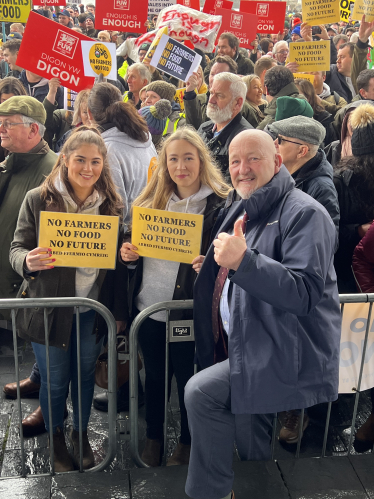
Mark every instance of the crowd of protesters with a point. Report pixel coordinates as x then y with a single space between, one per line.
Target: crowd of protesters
268 160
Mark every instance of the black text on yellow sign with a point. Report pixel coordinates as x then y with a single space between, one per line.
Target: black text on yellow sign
100 59
320 11
166 235
14 10
80 240
363 8
311 56
346 7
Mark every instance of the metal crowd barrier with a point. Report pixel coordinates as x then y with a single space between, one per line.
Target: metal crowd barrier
45 303
188 304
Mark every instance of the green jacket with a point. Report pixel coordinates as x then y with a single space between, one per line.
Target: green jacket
58 122
195 110
331 106
289 90
19 173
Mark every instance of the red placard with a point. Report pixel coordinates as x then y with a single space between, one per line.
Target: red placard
240 24
271 15
192 4
57 53
122 15
210 6
51 3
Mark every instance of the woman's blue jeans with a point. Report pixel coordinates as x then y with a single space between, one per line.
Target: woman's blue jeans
64 368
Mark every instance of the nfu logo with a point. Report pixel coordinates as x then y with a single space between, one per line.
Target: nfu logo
187 3
65 44
219 3
236 21
263 9
122 4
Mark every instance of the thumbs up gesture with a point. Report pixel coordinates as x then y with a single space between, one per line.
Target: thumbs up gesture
229 250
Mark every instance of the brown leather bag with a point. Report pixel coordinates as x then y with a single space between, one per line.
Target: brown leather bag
123 366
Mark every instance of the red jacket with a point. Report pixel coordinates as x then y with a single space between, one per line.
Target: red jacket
363 262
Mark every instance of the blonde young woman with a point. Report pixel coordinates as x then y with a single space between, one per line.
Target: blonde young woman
80 182
186 180
254 99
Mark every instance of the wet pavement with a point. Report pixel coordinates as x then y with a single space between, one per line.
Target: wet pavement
334 477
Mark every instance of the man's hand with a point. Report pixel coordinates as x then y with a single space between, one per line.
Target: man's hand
193 82
229 250
121 326
365 30
54 84
197 263
306 32
362 229
292 66
323 35
255 46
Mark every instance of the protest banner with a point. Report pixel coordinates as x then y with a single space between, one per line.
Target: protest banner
166 235
78 240
270 15
311 56
189 24
351 348
69 99
178 97
55 54
304 76
210 6
316 12
192 4
175 59
363 7
156 6
240 24
346 8
99 58
55 3
14 11
122 15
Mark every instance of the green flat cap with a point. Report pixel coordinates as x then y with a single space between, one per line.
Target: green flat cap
23 104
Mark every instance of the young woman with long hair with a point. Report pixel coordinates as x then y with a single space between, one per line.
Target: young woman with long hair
186 180
80 182
129 144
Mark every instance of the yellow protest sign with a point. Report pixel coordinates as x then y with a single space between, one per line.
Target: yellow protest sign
317 12
100 59
363 7
311 56
166 235
15 11
304 76
346 7
178 97
80 240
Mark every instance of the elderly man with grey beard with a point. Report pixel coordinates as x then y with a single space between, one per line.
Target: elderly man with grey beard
227 96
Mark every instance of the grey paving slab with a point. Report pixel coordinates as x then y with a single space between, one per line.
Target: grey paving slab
91 485
363 466
328 478
26 488
160 483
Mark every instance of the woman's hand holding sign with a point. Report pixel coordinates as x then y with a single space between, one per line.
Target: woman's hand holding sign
197 263
39 259
128 252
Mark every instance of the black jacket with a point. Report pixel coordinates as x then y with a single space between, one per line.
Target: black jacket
40 91
338 83
326 119
186 275
316 179
220 145
352 215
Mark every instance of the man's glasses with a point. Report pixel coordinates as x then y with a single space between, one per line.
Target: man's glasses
8 124
283 52
281 139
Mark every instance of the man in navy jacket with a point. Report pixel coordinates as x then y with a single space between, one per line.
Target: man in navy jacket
279 308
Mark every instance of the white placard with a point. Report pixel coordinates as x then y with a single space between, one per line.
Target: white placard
99 57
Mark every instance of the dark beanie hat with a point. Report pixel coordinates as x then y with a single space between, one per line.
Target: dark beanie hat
162 88
362 123
289 106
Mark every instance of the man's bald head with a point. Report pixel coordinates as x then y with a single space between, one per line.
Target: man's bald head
253 161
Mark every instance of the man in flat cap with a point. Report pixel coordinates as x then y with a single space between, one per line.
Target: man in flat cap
29 161
298 141
266 298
